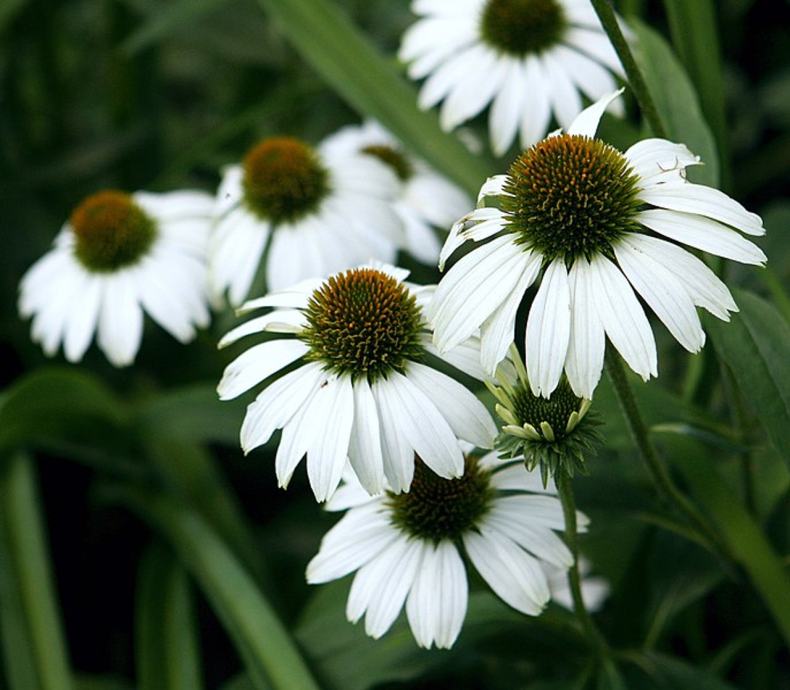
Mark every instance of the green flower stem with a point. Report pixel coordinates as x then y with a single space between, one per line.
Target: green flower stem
565 489
659 472
603 9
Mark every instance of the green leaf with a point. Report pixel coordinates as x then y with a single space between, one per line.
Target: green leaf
53 405
676 101
756 346
369 82
167 649
86 682
32 641
744 539
194 413
239 682
262 641
666 673
696 40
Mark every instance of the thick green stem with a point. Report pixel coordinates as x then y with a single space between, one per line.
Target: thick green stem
666 487
603 9
574 578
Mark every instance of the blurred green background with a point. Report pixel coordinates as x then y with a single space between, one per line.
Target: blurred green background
140 94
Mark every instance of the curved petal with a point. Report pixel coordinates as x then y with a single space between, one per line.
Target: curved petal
364 451
257 364
120 320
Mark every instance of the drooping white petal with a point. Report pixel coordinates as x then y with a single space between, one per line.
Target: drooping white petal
702 284
563 96
465 357
298 434
426 430
498 330
537 109
545 511
474 288
666 296
703 233
280 321
622 317
505 116
595 44
436 606
511 572
120 320
258 363
364 451
332 411
540 541
466 415
516 478
593 80
548 330
81 322
358 538
587 343
277 404
490 222
703 201
651 159
470 95
586 122
380 587
397 453
453 71
294 297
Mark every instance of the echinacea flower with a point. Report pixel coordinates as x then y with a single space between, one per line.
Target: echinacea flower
365 388
117 256
407 548
309 211
426 200
530 58
595 224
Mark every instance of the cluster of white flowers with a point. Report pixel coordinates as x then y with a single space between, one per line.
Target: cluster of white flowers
362 369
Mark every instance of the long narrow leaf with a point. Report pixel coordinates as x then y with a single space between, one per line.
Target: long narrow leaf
167 649
32 639
347 60
269 654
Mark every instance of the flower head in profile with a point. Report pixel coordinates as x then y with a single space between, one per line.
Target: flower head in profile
595 225
406 548
309 211
426 200
529 58
117 256
365 388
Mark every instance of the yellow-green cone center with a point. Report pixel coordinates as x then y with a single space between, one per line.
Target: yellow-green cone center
520 27
363 322
437 508
284 180
111 231
570 196
556 410
392 158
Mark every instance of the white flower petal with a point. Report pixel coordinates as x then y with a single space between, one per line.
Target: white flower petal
666 296
280 321
587 342
537 108
653 158
703 201
466 415
622 317
505 116
540 541
586 122
120 320
563 96
332 411
436 606
511 572
703 233
81 322
277 404
548 330
258 363
364 451
397 453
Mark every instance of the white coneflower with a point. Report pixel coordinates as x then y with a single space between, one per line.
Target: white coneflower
118 256
531 58
318 211
365 389
406 548
587 218
426 200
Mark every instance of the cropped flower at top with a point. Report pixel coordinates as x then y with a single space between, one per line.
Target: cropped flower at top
365 388
426 200
528 58
594 224
120 255
407 548
309 211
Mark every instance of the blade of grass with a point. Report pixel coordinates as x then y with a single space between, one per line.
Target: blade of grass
32 639
167 648
345 58
264 644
